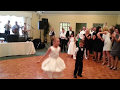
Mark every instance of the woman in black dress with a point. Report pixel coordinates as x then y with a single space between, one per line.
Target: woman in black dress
94 48
99 44
87 42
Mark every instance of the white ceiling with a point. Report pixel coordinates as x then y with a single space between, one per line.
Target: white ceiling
82 12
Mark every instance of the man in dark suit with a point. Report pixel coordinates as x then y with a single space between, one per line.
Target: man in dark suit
68 34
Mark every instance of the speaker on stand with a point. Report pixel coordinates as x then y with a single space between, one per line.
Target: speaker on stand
40 27
43 25
46 29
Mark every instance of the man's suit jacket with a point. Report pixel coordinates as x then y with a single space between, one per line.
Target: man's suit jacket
68 35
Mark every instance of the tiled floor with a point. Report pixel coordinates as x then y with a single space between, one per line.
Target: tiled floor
28 68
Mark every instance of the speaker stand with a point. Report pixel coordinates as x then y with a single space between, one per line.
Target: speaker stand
40 39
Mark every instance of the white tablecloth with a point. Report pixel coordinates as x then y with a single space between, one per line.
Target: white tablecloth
16 48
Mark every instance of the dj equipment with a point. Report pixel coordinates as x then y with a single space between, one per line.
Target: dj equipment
12 38
38 44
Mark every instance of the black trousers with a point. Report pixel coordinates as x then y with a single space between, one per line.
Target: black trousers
78 67
63 45
6 33
51 42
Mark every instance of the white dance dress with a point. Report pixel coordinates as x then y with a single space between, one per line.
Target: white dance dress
107 42
72 46
53 63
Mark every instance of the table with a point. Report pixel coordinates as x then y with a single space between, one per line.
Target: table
16 48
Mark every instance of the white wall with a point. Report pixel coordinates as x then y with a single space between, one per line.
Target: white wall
17 13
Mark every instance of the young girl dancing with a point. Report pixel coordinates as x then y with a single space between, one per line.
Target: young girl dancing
52 63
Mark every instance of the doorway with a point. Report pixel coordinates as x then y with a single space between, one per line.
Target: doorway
80 26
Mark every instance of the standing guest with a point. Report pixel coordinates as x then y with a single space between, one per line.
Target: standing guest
63 40
79 52
68 34
115 51
107 45
91 40
52 35
99 44
15 29
71 46
94 38
81 35
87 42
7 28
25 31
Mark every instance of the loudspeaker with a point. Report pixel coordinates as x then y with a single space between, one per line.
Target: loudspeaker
40 25
21 39
12 38
2 35
45 20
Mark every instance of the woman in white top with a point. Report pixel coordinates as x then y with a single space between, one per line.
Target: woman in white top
107 45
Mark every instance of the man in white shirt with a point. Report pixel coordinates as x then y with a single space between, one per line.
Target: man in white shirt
52 35
81 35
63 40
7 28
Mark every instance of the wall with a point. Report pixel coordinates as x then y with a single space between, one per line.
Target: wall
55 20
118 20
17 13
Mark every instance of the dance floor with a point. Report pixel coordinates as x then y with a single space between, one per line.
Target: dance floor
28 68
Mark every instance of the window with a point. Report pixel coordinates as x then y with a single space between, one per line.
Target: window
64 25
98 24
13 19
